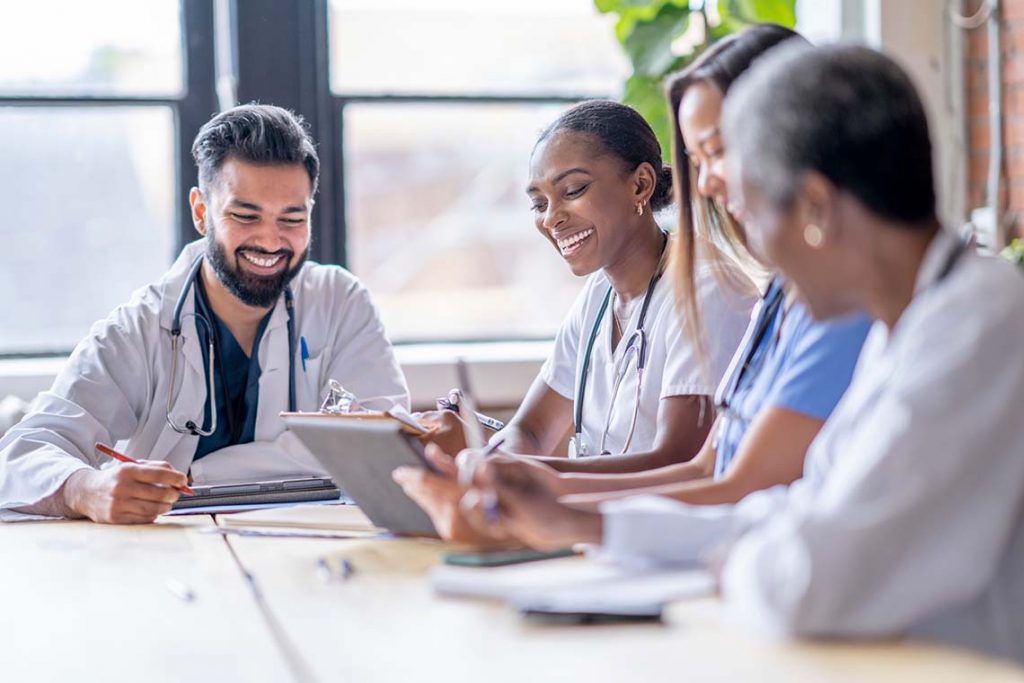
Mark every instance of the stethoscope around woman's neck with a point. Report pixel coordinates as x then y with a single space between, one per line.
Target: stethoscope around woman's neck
636 343
773 301
190 427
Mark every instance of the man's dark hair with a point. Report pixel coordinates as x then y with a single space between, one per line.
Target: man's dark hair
847 112
257 134
624 134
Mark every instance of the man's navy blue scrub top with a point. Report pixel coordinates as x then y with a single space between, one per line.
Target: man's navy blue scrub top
236 381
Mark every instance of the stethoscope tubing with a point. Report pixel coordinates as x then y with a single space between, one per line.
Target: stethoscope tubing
190 427
637 340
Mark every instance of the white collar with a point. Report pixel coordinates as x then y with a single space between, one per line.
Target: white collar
936 258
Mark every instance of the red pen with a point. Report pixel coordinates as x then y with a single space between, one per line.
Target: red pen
107 450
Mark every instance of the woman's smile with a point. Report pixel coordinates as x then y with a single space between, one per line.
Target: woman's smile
570 245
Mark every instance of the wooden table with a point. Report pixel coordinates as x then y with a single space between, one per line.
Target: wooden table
84 601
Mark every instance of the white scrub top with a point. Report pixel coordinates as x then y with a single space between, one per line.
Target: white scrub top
673 367
910 515
115 385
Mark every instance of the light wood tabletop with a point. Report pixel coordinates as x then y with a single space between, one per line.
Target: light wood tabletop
82 601
93 602
385 624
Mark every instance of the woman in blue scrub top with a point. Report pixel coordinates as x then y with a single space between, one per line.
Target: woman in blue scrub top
789 372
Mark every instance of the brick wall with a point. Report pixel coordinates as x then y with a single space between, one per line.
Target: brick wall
975 82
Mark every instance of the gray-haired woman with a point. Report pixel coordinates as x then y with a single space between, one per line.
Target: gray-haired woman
908 517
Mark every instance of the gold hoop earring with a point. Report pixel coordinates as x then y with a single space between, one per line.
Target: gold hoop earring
639 208
814 236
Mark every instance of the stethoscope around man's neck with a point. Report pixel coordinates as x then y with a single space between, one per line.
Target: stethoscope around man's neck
190 427
637 343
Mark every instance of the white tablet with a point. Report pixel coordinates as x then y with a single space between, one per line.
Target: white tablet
360 456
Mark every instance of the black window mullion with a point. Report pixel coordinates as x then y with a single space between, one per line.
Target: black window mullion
199 103
339 231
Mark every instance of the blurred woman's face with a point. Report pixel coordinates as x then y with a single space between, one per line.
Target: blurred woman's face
700 111
828 274
583 201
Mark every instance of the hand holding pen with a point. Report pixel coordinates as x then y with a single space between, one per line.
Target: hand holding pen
135 493
530 509
467 462
121 457
475 440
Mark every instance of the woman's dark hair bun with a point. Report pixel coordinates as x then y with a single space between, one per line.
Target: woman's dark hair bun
622 132
662 197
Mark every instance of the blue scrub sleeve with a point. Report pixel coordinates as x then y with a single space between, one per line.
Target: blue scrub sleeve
821 365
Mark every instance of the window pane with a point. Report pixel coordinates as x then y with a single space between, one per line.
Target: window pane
89 216
96 47
469 46
440 228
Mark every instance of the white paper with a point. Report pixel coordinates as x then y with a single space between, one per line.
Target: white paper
615 595
405 417
579 581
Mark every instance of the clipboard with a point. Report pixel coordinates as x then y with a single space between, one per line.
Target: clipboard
407 424
360 452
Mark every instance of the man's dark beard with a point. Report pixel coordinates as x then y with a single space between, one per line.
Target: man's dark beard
250 289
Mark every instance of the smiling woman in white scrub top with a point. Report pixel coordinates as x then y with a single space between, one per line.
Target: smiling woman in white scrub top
908 518
596 179
623 376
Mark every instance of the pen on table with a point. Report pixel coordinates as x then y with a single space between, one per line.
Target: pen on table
327 572
121 457
180 590
303 351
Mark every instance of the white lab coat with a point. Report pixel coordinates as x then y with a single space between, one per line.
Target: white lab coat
910 515
115 385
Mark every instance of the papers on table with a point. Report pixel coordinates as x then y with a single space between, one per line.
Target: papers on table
584 583
233 508
318 517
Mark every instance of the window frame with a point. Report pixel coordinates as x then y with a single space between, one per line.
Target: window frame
295 75
300 33
190 109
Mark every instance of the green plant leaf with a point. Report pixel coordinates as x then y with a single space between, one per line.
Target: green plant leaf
646 30
1014 253
739 13
781 12
649 43
645 94
620 6
632 13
